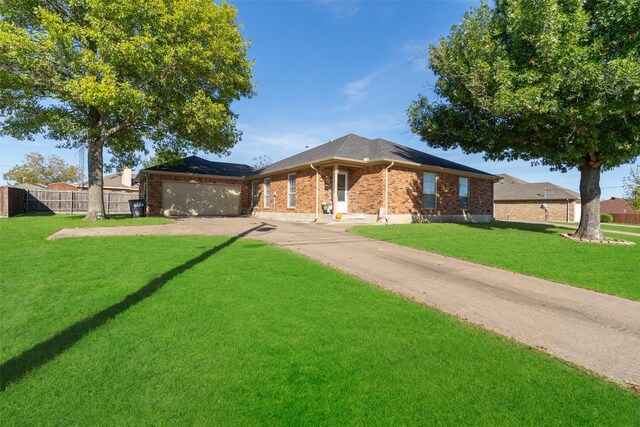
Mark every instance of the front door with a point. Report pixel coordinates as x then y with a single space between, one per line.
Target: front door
342 193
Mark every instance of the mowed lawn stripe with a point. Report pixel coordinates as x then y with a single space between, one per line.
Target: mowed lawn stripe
533 249
257 335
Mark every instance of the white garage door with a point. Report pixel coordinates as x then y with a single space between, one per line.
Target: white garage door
185 198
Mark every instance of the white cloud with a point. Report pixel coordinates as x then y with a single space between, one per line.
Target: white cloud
340 9
359 89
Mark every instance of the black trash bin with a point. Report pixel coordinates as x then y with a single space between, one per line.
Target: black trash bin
137 208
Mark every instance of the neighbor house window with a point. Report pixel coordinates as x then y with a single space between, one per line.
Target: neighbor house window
291 191
255 196
267 192
428 190
463 193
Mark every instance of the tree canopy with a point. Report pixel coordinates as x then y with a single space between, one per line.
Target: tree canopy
554 82
38 169
119 73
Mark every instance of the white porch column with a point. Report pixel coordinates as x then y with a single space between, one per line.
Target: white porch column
334 197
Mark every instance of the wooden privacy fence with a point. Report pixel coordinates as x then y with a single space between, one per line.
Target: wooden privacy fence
633 218
11 201
74 201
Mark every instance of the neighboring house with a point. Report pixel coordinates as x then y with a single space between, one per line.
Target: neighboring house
358 177
62 186
518 200
121 181
616 205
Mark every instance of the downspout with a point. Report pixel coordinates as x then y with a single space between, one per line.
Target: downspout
317 183
386 190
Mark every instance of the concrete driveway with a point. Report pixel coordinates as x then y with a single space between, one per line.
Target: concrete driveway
597 331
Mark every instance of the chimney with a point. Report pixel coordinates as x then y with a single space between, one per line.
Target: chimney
126 177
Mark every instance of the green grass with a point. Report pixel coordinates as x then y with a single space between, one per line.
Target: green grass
204 330
77 221
533 249
631 228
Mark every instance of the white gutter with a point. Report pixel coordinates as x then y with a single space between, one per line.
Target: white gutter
386 190
317 183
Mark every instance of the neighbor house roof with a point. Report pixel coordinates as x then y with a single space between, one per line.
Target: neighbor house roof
512 188
199 166
113 181
363 150
616 205
27 186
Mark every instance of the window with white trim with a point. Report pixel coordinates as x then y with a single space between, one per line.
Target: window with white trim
255 195
429 190
267 192
291 190
463 193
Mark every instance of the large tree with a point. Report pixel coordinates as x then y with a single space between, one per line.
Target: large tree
554 82
38 169
116 73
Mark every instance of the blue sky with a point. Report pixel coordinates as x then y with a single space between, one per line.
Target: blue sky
328 68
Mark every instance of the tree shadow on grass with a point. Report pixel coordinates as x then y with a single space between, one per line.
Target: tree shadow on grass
13 370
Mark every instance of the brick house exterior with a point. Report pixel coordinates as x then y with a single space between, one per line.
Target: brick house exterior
518 200
367 194
381 181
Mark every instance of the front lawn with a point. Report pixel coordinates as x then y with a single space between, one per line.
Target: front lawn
204 330
533 249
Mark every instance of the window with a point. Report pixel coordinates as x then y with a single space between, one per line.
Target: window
429 190
267 192
463 194
255 195
291 191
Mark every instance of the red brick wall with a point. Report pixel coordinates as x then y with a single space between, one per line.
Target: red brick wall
305 192
405 194
366 192
153 189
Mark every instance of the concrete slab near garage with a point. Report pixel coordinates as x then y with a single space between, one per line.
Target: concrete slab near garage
597 331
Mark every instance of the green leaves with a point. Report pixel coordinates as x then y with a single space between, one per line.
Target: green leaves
550 81
164 71
36 169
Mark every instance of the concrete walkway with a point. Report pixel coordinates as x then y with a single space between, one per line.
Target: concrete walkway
597 331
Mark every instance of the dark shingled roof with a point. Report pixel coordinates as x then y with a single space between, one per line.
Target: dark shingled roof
511 188
355 147
199 166
351 147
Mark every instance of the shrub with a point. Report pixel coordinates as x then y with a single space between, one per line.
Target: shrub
605 217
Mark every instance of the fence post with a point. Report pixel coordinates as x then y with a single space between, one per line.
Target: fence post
72 202
109 202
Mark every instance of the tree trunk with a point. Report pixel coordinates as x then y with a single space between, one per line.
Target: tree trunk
590 198
95 166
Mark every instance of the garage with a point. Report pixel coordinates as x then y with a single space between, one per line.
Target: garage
194 199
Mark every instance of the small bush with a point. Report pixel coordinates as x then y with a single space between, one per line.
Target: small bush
605 217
